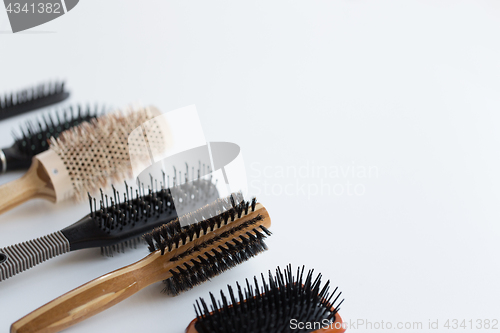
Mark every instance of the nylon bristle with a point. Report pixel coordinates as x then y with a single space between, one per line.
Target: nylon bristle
98 152
136 215
35 135
204 220
270 306
109 251
32 98
211 260
216 260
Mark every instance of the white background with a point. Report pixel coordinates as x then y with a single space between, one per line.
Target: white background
408 88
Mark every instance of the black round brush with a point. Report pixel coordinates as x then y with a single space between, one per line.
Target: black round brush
34 138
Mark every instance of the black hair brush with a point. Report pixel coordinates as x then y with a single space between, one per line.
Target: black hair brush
29 99
35 135
119 222
227 233
284 303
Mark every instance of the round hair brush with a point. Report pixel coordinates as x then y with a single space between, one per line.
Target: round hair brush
283 304
35 136
227 234
84 159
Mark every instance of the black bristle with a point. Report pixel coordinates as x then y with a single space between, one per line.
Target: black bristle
142 214
34 139
118 223
212 260
212 263
271 307
29 99
212 216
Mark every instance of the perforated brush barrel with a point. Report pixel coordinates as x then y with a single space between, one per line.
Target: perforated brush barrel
91 155
33 137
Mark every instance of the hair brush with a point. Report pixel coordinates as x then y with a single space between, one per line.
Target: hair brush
83 159
227 234
117 224
35 136
285 303
32 98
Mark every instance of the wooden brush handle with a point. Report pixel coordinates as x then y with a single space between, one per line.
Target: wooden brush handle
34 184
104 292
92 297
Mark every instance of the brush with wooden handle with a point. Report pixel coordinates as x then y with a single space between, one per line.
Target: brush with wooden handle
227 234
84 159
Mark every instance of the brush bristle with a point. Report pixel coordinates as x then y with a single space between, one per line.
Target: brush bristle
204 220
271 306
109 251
136 212
211 260
98 152
32 98
217 260
35 135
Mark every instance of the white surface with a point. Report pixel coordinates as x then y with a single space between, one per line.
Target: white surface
409 89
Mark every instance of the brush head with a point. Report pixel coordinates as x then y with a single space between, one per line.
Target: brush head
225 234
32 98
97 153
270 306
119 221
35 135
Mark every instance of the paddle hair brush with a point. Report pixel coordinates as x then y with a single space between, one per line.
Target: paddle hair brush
182 257
29 99
85 158
119 222
35 136
285 303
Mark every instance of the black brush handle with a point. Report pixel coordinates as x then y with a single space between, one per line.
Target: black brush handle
18 258
87 233
12 159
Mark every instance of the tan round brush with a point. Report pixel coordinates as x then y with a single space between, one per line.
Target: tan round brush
86 158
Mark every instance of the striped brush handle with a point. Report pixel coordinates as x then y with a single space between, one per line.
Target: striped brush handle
17 258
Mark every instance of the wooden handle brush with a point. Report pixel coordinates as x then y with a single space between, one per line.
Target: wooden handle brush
182 257
84 159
